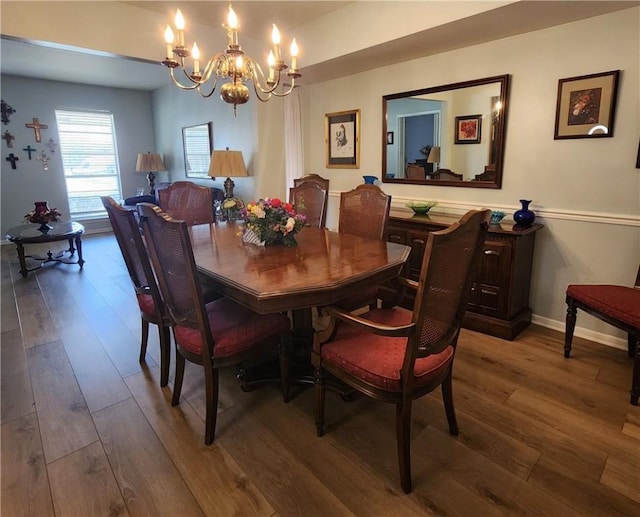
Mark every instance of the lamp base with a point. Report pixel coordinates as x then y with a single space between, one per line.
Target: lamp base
228 188
152 178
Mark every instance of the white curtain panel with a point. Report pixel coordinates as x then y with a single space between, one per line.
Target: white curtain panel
294 159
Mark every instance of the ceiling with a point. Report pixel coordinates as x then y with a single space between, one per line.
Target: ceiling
47 61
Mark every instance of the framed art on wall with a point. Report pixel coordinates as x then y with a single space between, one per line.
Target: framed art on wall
468 129
586 105
342 139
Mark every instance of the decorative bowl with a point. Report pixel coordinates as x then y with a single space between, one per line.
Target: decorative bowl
421 207
371 180
496 216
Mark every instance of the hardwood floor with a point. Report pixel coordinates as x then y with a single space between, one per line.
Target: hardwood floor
87 430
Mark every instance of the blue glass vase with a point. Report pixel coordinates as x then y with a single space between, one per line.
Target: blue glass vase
524 216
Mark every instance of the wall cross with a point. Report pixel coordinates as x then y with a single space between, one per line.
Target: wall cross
13 159
36 126
7 111
29 150
9 138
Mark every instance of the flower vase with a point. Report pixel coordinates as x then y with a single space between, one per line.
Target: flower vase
524 216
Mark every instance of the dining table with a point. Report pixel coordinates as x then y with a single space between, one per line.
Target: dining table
324 267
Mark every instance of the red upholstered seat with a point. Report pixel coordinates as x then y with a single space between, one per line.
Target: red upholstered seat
146 304
616 301
377 359
395 355
617 305
234 329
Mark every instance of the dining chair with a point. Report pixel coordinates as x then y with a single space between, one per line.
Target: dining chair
310 200
187 202
312 177
616 305
125 228
364 211
396 355
214 335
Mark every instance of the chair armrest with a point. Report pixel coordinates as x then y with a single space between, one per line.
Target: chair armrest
365 324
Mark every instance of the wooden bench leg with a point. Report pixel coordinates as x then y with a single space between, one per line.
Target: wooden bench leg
635 383
569 327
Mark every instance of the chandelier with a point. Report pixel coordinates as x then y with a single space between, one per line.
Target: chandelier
232 64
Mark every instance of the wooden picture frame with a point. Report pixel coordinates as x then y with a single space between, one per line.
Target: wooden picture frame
342 139
586 105
389 137
468 129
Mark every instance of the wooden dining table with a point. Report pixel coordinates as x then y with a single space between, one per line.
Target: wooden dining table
324 267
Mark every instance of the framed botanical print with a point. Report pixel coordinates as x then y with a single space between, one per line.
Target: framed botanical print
342 139
468 129
586 105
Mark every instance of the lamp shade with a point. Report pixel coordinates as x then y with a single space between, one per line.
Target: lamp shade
148 162
229 164
434 155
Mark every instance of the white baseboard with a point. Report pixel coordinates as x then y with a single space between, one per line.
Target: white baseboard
591 335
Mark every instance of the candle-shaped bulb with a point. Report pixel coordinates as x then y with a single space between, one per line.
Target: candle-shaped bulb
294 54
195 52
232 19
275 38
168 38
239 64
179 20
271 60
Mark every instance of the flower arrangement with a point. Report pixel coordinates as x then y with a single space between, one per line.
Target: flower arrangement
42 214
271 221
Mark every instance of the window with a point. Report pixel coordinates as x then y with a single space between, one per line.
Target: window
89 158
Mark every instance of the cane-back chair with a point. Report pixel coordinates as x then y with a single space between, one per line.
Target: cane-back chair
311 200
616 305
188 202
396 355
218 334
125 228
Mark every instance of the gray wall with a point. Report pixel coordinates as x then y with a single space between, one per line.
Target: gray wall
37 98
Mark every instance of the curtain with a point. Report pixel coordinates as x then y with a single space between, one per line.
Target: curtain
294 159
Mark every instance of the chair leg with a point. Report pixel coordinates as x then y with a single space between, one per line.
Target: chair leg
165 354
211 382
320 396
635 382
449 408
403 442
144 340
569 327
284 367
632 343
177 382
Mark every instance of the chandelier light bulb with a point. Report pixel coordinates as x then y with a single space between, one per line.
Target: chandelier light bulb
179 21
271 60
195 52
294 54
232 19
168 38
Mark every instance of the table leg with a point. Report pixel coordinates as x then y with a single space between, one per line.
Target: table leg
23 263
79 248
71 249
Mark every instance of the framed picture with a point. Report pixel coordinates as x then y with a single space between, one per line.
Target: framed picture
342 139
198 146
468 129
389 137
586 105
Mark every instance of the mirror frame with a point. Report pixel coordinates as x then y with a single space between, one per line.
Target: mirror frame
196 174
503 81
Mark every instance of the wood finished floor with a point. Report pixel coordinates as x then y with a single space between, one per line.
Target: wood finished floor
86 429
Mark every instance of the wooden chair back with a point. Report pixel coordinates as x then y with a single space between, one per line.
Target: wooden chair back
415 172
188 202
364 211
311 200
323 183
446 174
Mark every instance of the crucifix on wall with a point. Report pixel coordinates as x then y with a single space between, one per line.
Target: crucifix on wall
29 150
7 111
36 126
13 159
9 138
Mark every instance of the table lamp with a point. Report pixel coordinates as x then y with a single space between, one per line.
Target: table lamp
150 163
434 157
230 164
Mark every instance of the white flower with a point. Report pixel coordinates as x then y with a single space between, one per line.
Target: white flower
291 223
259 212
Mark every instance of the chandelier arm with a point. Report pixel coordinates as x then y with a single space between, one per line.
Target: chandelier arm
179 84
286 92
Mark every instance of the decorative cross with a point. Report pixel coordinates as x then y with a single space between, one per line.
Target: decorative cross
36 126
8 137
7 111
44 159
29 150
51 145
13 159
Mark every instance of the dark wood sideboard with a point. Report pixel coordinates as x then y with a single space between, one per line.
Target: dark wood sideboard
499 302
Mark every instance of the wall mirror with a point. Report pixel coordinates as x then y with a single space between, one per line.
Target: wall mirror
198 146
451 135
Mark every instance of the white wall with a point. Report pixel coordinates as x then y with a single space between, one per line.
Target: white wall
38 98
585 191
